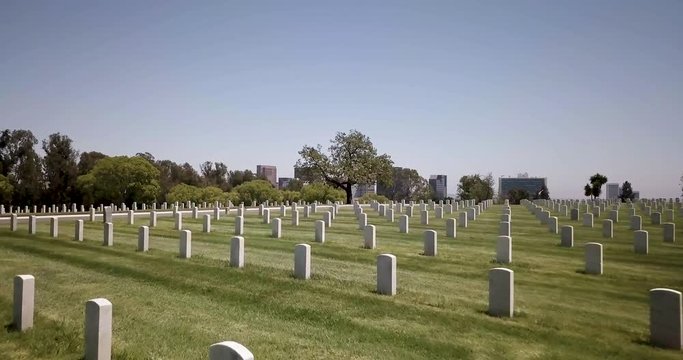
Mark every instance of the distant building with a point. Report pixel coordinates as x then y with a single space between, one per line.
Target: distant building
283 182
439 184
269 172
636 195
612 191
532 185
359 190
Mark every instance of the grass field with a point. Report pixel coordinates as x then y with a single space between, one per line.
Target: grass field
170 308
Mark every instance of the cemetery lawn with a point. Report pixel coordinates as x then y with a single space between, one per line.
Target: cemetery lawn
170 308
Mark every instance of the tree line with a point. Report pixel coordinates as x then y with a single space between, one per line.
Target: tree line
64 175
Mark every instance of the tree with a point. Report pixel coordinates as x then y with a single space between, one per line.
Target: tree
21 165
294 185
239 177
319 191
215 174
542 193
184 192
366 198
595 184
405 184
60 169
352 160
6 190
88 160
476 187
120 179
517 195
257 190
626 192
587 190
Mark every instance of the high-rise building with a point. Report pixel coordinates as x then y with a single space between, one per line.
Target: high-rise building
532 185
269 172
283 182
439 185
612 191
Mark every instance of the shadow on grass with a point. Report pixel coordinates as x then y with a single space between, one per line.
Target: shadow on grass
11 327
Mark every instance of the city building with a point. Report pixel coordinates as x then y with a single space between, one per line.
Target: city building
438 184
269 172
359 190
612 191
532 185
283 182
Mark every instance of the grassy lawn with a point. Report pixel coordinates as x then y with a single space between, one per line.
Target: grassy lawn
170 308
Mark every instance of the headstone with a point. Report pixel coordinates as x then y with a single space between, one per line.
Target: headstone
153 219
574 216
386 274
178 221
283 211
656 218
131 217
78 231
636 223
32 224
362 221
54 226
640 242
451 231
217 213
276 228
13 222
206 225
107 216
424 217
295 217
185 244
430 243
108 234
404 224
409 211
239 225
462 221
504 249
24 301
567 236
666 321
302 261
237 252
266 216
327 218
553 224
669 215
438 211
369 239
593 258
607 229
504 229
390 215
471 214
588 220
320 231
669 232
505 218
229 350
501 292
307 211
614 216
98 326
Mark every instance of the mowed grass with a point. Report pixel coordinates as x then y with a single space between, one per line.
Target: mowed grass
171 308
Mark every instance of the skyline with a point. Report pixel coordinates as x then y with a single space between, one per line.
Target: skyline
560 90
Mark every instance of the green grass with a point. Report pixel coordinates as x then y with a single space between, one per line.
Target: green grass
170 308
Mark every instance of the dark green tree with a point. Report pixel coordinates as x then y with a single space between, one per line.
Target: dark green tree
476 187
587 190
596 182
352 160
120 179
21 165
542 193
60 169
215 174
405 184
517 195
88 160
626 192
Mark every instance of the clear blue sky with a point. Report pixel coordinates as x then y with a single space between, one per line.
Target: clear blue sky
559 89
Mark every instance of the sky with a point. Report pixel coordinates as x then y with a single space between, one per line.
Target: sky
556 89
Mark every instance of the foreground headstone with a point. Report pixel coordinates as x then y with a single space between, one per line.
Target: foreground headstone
13 221
206 224
656 218
185 244
404 224
640 242
386 274
327 218
553 224
107 216
239 225
669 232
295 217
504 249
666 321
229 350
362 221
32 223
276 228
593 258
237 252
98 325
302 261
636 223
78 231
178 221
266 216
143 238
108 235
430 243
567 236
54 227
451 225
462 220
320 231
131 217
369 238
24 301
607 229
574 215
153 219
501 292
588 220
614 216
